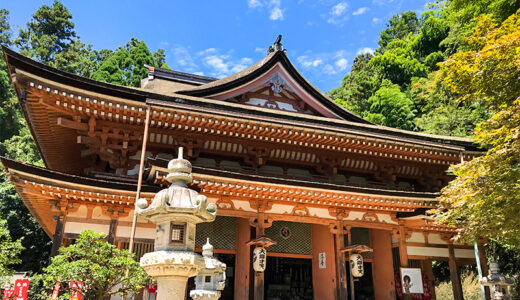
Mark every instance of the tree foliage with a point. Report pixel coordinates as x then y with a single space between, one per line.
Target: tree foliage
9 251
104 269
484 198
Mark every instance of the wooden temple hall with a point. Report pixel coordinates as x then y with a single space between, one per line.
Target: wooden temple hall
278 157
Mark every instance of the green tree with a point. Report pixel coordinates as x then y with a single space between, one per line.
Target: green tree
104 269
126 65
50 38
9 251
399 27
357 86
160 59
484 199
390 107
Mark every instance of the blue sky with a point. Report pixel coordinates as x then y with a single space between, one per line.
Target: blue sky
219 38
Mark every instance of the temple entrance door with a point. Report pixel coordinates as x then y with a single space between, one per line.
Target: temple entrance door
363 286
288 278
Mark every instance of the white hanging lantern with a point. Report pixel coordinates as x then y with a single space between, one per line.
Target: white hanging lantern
356 265
259 259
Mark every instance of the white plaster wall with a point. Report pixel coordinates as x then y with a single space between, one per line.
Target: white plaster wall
97 213
465 253
416 237
385 218
319 212
355 215
439 252
81 212
435 238
243 205
280 209
77 227
140 232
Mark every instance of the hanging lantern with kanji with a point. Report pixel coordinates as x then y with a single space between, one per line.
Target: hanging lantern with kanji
259 259
356 265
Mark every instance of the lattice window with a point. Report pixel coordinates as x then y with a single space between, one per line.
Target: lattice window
177 233
140 248
221 233
290 237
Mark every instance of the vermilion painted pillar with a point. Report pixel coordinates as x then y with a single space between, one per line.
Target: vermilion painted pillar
428 271
382 266
324 276
454 274
242 259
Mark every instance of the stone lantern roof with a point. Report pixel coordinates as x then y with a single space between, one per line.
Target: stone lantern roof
178 199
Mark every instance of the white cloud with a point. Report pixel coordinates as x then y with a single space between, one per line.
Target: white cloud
253 3
360 11
183 58
276 12
365 50
329 69
199 73
339 9
338 13
376 20
307 62
259 49
341 64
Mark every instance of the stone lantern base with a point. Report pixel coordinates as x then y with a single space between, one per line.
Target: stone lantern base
204 295
172 269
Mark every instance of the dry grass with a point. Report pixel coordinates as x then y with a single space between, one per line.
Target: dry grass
470 289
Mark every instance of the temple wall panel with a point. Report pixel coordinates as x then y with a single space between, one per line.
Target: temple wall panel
243 205
280 209
435 238
320 213
354 215
97 213
386 219
416 237
77 227
439 252
140 232
81 212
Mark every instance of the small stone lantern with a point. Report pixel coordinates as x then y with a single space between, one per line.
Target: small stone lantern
176 211
497 282
212 279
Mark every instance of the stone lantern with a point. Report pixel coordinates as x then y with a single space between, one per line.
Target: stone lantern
212 279
175 211
497 282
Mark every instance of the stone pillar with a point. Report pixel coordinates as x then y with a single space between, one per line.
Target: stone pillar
428 272
242 259
382 265
323 277
454 274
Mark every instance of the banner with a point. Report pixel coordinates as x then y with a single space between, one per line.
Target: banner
21 288
75 290
7 292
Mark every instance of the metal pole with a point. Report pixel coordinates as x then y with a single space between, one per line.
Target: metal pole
140 178
479 268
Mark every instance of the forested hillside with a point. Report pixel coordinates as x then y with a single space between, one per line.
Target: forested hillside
400 84
50 38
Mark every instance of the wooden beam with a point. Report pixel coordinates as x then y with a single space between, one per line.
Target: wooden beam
454 274
58 235
340 263
242 259
64 122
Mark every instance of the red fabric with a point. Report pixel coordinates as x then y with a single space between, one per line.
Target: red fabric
152 288
21 287
7 292
427 295
398 287
75 290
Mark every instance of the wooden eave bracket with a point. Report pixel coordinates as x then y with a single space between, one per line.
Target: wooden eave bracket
262 241
357 249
